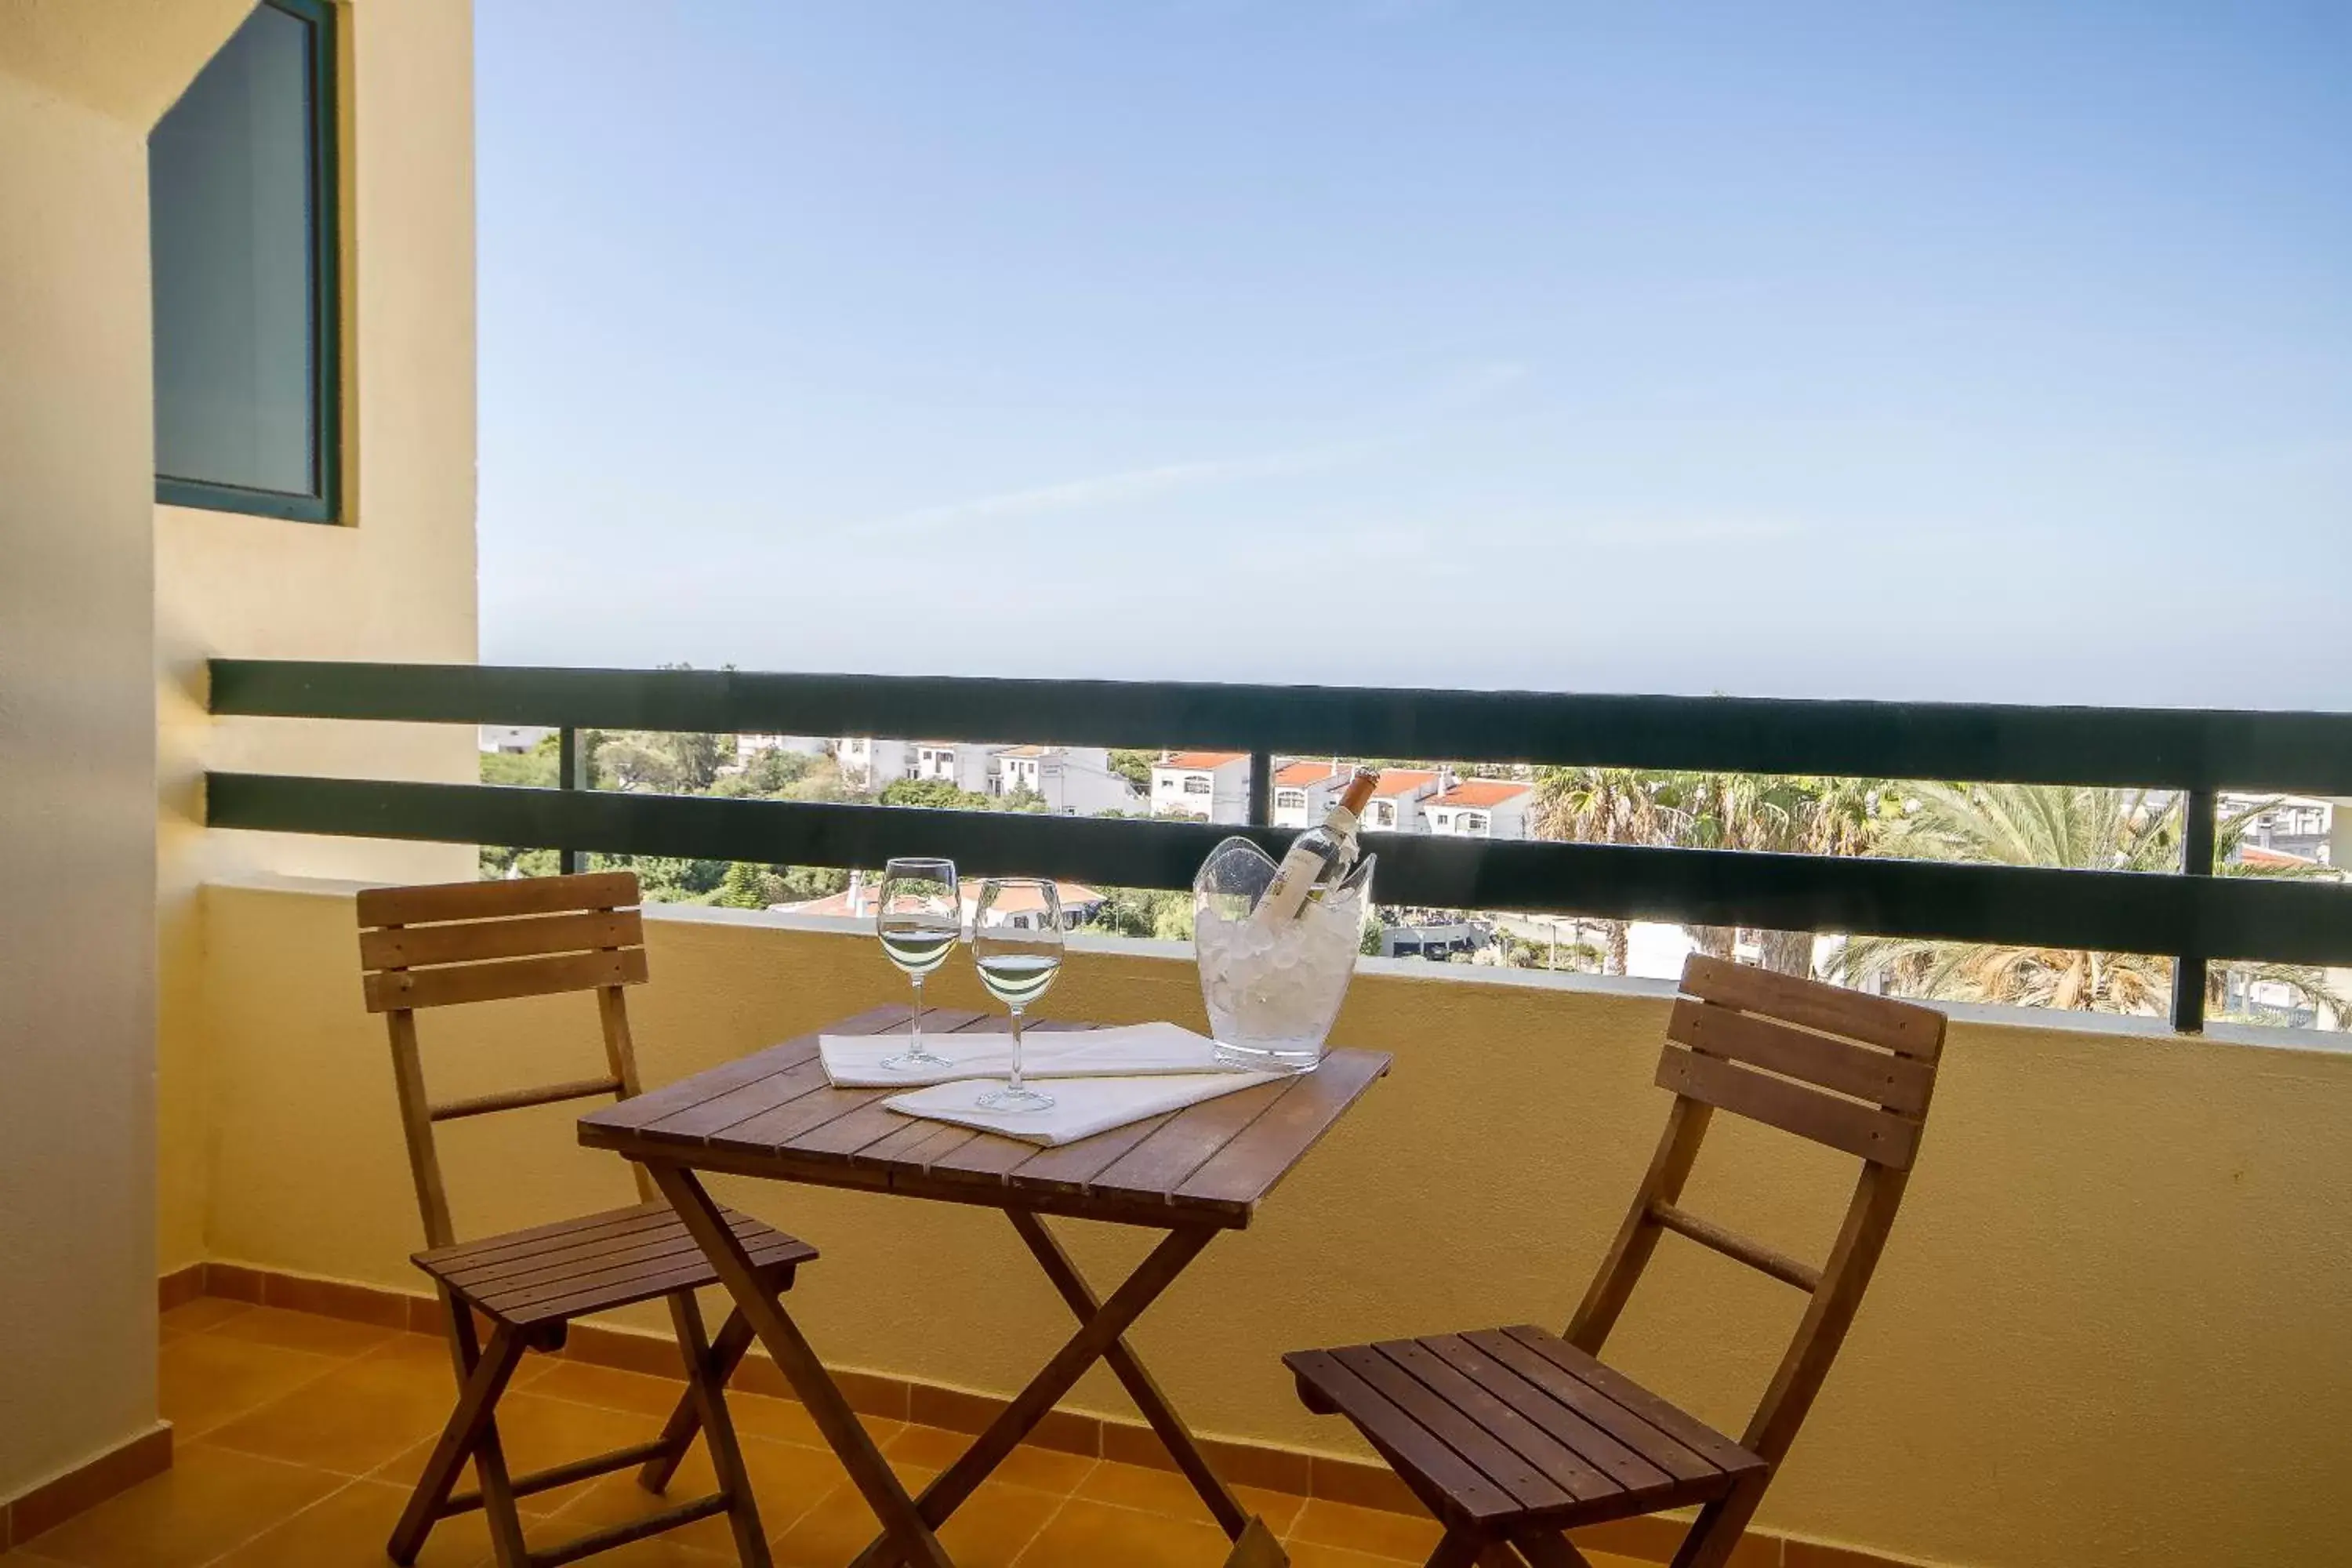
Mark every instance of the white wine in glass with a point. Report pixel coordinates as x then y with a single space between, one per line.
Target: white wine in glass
1017 941
918 918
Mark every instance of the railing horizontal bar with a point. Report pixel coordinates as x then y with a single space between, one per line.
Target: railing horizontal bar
2172 748
2232 917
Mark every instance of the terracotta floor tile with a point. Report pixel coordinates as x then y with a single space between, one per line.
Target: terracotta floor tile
349 1529
656 1552
301 1331
1307 1554
274 1386
992 1528
1040 1469
538 1433
756 1415
583 1382
204 1312
208 1502
787 1482
1086 1534
828 1535
1168 1493
1323 1523
429 1356
787 1421
204 1379
358 1418
403 1471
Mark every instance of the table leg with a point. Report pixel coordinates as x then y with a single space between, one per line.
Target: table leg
951 1486
903 1526
1139 1385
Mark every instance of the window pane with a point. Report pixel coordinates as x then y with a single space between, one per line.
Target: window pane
229 199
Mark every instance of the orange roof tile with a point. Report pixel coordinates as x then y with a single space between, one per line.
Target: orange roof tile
1483 792
1202 762
1294 775
1402 781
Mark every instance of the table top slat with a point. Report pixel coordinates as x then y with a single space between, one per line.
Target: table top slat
1183 1141
712 1082
1246 1169
1071 1167
787 1081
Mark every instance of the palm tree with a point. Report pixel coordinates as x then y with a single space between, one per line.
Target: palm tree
1777 814
1600 806
2039 825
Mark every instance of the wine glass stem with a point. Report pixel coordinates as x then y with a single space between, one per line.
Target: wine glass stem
1014 1083
915 1025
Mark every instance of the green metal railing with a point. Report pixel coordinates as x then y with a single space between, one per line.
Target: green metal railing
2193 916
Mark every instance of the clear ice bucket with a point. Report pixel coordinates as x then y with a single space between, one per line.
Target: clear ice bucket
1272 991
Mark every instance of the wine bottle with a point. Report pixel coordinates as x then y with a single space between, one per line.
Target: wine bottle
1323 850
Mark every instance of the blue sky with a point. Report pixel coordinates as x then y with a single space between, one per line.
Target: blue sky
1976 352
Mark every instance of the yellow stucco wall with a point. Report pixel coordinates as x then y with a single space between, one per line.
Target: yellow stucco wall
2109 1327
79 86
395 582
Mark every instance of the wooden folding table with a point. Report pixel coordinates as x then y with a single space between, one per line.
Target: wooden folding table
1191 1172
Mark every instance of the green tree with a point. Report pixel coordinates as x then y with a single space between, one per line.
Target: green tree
1134 767
1172 917
1600 806
668 878
768 775
2037 825
1773 813
535 768
661 762
939 795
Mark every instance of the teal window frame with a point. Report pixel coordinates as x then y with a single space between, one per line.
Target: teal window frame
324 503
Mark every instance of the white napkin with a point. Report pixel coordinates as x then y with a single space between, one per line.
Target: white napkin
1082 1106
1132 1050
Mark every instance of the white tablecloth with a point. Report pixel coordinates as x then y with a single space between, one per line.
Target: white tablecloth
1132 1050
1082 1106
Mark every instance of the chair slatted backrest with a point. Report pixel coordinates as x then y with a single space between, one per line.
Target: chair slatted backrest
1851 1072
454 942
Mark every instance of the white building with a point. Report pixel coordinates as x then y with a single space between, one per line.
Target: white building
1075 781
514 738
872 763
1397 799
1304 791
968 765
861 900
1482 809
749 746
2291 828
1212 785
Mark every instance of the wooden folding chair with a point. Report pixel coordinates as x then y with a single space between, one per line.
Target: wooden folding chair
478 941
1512 1437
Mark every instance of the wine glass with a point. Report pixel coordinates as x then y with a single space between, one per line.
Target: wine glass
918 917
1017 940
